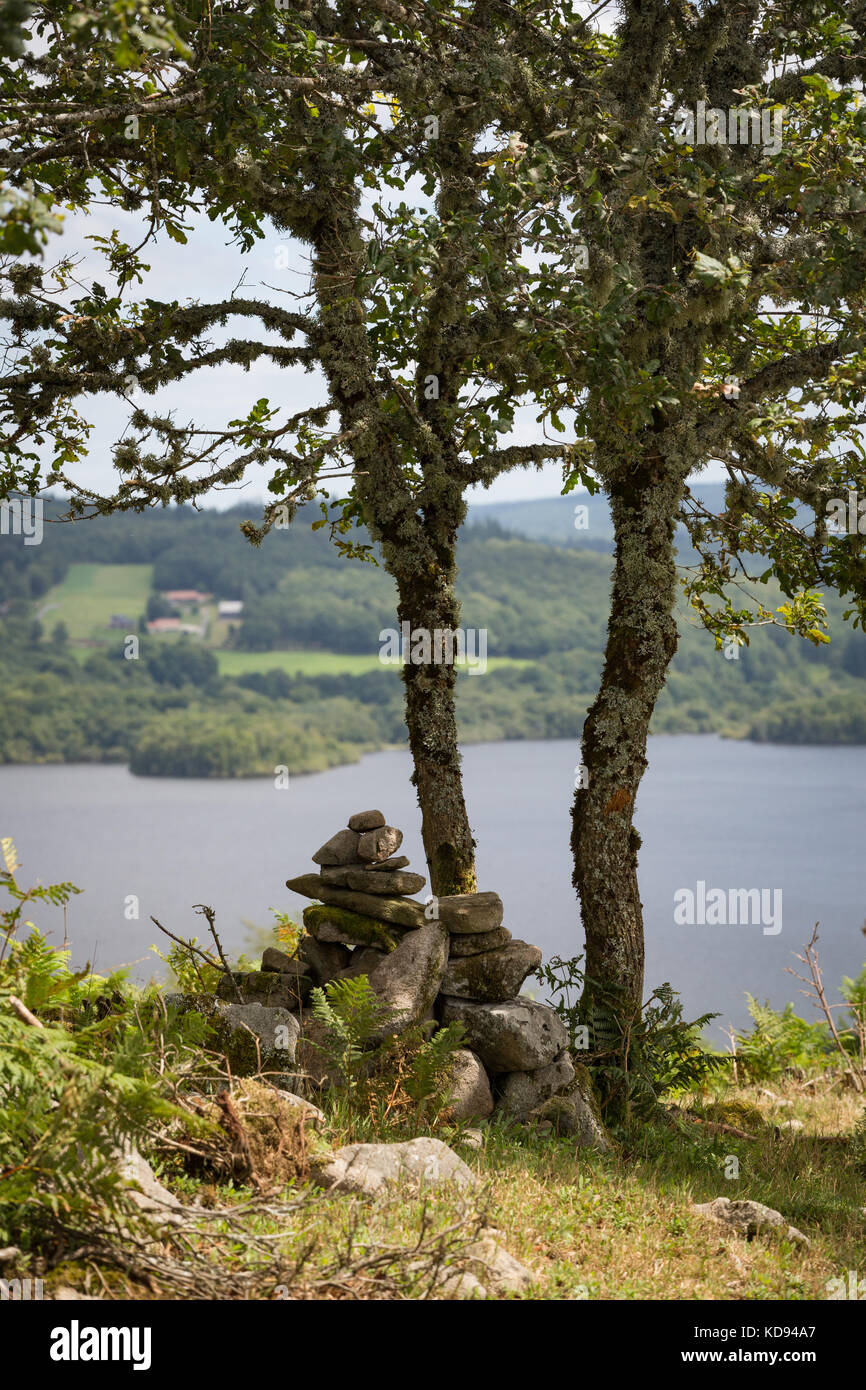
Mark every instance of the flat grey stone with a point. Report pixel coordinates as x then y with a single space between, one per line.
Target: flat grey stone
395 883
398 861
471 912
517 1035
473 943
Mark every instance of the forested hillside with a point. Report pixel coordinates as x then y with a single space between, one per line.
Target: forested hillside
182 706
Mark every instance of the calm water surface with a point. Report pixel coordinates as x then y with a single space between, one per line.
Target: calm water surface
735 815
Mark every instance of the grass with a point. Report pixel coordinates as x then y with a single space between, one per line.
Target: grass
599 1227
318 663
90 594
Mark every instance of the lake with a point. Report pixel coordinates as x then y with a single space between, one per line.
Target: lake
729 815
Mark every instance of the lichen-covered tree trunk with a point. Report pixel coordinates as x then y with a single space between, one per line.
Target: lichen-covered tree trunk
642 639
427 602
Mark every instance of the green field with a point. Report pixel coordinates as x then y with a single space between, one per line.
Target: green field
319 663
90 594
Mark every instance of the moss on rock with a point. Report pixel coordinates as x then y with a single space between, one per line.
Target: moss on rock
349 928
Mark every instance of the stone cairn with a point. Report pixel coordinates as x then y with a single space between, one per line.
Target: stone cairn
450 959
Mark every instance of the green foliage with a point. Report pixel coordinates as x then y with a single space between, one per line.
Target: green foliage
780 1039
380 1076
95 1076
657 1054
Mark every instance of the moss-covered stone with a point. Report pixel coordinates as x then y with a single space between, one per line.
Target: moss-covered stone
338 924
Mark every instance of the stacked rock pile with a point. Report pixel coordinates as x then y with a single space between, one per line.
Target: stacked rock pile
449 959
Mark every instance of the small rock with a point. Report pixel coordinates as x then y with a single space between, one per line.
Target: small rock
467 913
571 1116
500 1271
474 942
386 884
749 1219
463 1285
379 844
521 1092
366 820
409 978
792 1125
472 1139
370 1169
491 976
274 959
468 1087
342 848
146 1192
518 1035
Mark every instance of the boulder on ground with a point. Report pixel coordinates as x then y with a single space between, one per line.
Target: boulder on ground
342 848
255 1037
373 1169
517 1035
491 976
410 977
366 820
749 1219
468 1087
521 1092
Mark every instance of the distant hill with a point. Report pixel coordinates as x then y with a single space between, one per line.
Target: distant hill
551 520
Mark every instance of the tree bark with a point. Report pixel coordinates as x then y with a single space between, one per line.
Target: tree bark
427 601
642 639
